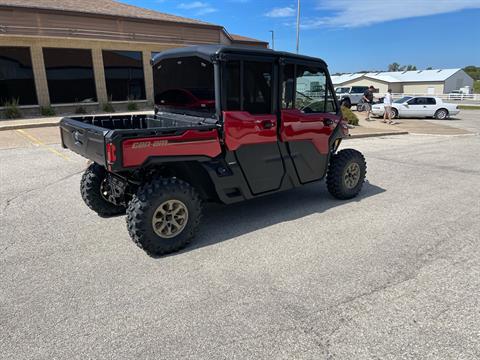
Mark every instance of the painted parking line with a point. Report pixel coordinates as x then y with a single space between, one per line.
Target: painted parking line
37 141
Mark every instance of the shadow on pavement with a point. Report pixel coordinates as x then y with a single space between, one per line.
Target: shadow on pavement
222 222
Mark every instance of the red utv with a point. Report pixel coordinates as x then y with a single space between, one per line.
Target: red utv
267 122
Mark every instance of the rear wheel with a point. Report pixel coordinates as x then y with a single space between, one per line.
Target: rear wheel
346 174
164 215
441 114
94 188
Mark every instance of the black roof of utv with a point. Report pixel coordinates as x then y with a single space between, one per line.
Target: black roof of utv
210 52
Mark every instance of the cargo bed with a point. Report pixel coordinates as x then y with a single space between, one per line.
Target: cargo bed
93 137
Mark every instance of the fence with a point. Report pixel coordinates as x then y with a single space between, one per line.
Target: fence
461 98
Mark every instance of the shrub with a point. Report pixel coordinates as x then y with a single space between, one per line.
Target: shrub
349 115
108 107
80 110
47 111
131 106
11 109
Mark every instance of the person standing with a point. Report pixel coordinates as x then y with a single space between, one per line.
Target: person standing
368 98
387 104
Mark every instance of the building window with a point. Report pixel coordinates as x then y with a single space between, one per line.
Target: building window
16 76
124 75
70 75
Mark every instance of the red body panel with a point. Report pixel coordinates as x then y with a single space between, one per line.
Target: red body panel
300 126
191 142
243 128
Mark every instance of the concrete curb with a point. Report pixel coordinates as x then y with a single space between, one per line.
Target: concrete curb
367 135
27 125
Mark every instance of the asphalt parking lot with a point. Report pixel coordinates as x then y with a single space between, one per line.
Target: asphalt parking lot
392 274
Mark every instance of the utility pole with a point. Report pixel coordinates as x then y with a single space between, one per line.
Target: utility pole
273 39
298 24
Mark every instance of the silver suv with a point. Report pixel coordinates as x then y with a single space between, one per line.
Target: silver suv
350 95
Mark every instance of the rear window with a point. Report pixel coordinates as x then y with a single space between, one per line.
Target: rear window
185 85
359 89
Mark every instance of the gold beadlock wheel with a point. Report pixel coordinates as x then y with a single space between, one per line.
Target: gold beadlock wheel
170 218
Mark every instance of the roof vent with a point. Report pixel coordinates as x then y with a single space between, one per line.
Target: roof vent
419 71
439 70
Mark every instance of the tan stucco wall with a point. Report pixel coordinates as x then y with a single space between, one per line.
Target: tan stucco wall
37 43
422 88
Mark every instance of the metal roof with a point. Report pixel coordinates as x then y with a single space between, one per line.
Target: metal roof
101 7
399 76
207 52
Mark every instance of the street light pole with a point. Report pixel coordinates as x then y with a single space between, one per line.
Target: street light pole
298 24
273 39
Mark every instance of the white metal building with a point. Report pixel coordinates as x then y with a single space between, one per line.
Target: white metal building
433 82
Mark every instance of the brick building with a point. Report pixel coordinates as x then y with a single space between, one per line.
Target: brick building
68 52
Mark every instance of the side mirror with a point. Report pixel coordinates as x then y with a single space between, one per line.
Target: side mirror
405 103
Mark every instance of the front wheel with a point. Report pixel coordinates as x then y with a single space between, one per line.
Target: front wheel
394 113
164 215
346 174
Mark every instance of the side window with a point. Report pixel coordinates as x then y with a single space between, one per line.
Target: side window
421 101
257 87
306 89
288 87
412 101
233 85
431 101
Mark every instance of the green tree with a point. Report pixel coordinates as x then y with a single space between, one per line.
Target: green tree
429 68
476 87
394 67
411 67
473 71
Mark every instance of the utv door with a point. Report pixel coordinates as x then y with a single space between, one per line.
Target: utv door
250 121
308 118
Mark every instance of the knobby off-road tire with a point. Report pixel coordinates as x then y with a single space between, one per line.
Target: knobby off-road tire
346 174
91 188
164 215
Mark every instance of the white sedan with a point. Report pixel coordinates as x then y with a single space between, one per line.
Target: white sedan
418 106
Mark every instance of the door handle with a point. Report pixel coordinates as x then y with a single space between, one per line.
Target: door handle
267 124
327 122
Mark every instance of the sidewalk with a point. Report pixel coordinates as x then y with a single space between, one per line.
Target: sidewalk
412 126
365 128
6 124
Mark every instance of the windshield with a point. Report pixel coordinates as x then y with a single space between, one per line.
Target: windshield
184 85
342 90
402 100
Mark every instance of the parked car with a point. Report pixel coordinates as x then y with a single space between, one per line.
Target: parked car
350 95
418 106
159 169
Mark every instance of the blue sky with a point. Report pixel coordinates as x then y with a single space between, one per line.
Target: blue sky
351 35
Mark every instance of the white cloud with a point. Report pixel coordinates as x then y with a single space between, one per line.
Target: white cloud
356 13
281 12
200 8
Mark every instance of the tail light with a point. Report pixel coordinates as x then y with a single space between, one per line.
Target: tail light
111 153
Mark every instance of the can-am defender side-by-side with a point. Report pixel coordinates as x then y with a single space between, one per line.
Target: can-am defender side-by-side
230 124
